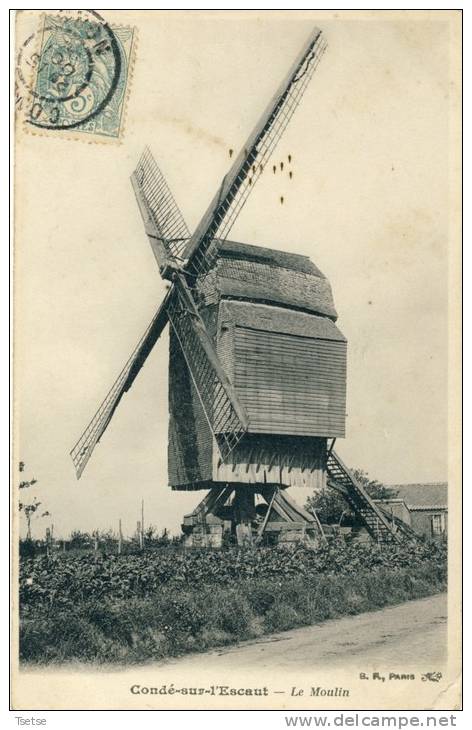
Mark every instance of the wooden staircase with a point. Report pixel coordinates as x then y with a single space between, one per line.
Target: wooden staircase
381 526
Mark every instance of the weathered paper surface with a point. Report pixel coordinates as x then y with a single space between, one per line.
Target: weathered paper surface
374 201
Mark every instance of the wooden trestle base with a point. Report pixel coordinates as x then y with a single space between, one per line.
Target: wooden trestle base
250 515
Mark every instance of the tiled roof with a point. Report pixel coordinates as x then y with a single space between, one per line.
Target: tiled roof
422 496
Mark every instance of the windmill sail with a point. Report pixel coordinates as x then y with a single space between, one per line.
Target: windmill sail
225 415
163 220
248 166
227 418
84 447
171 243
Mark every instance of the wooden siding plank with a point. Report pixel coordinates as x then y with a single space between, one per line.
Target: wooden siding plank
289 383
262 458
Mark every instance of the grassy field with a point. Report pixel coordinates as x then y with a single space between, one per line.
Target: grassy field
169 602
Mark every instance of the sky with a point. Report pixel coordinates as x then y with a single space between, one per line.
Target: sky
369 202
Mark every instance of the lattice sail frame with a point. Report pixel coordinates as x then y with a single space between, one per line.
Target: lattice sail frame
82 450
226 417
170 226
254 157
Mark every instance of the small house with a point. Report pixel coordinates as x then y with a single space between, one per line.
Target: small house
422 506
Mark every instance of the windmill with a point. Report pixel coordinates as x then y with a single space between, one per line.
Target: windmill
257 366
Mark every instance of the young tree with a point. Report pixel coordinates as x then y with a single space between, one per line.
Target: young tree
375 489
30 508
80 539
328 504
152 537
150 534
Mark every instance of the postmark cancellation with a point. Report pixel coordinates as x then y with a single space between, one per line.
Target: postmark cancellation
73 76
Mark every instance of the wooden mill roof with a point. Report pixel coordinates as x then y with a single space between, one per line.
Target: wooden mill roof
271 256
253 273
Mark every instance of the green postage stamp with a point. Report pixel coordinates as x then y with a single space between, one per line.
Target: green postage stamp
73 75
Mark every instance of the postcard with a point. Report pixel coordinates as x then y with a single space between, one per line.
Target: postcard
237 334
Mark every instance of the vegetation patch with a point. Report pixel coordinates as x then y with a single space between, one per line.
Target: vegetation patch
170 602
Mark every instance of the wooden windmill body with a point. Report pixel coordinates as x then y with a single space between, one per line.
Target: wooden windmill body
271 318
257 365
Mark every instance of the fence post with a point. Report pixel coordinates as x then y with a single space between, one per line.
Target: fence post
142 524
48 540
120 537
140 535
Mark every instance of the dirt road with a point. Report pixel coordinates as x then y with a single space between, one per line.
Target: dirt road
411 633
409 638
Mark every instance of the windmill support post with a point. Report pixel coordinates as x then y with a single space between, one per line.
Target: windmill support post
233 510
244 514
260 533
321 532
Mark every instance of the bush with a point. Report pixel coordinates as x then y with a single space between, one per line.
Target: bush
261 596
180 612
27 548
281 617
111 620
234 613
64 637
